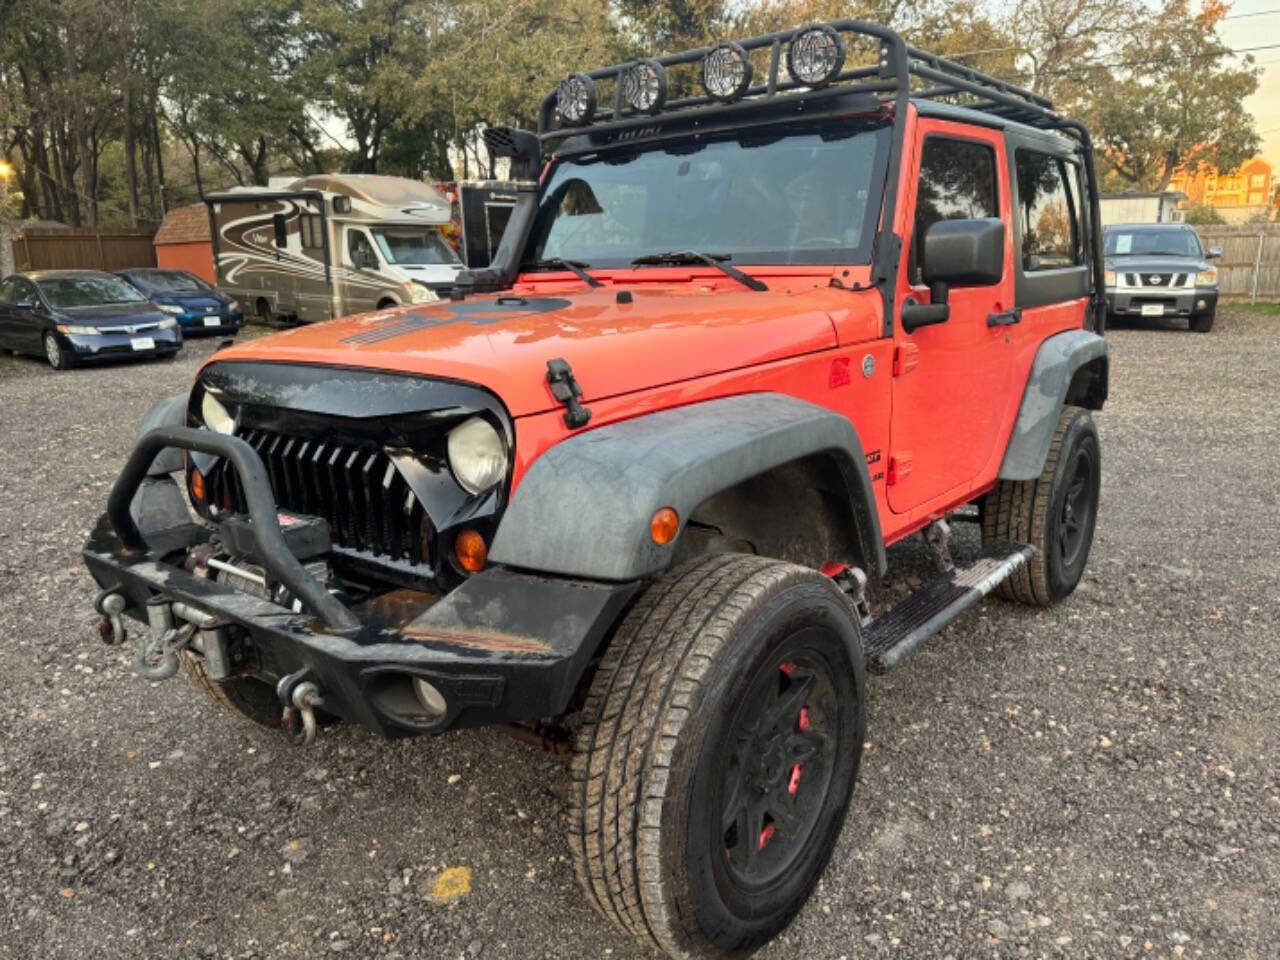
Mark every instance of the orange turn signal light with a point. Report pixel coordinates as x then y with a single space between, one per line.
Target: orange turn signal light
664 526
471 550
197 485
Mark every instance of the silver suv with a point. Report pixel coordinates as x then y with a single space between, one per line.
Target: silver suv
1160 270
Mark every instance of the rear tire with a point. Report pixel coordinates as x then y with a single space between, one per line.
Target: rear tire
263 309
1056 513
1203 322
251 699
720 742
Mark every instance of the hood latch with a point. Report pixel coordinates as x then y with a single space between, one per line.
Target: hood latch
564 387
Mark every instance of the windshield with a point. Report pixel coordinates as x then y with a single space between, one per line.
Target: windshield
171 281
809 196
1172 243
64 292
414 246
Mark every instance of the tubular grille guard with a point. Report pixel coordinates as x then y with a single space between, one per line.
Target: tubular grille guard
358 490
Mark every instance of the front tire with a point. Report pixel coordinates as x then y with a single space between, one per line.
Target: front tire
58 358
1056 513
1203 322
720 744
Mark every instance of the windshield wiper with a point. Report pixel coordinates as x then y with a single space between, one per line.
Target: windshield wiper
710 259
573 266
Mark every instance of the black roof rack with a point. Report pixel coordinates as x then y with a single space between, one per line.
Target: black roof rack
901 72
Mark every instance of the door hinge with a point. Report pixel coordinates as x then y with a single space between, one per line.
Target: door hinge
906 357
899 467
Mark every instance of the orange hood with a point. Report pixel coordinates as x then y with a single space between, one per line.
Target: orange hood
666 335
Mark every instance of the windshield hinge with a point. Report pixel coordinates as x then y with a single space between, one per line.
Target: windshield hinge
564 387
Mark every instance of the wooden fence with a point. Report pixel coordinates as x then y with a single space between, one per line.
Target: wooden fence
101 248
1250 265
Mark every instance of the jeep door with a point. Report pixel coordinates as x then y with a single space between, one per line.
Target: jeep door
951 389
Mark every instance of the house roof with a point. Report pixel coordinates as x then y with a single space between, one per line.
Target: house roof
188 224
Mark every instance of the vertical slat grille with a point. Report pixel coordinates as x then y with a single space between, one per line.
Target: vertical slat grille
358 490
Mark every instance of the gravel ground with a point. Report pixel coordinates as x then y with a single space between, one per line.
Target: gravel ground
1095 780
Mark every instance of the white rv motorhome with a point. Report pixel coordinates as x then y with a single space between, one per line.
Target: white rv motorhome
328 246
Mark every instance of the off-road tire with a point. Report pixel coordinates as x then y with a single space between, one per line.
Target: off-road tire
54 355
245 697
1202 322
1030 511
661 719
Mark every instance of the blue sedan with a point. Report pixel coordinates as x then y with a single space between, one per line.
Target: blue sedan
199 307
70 316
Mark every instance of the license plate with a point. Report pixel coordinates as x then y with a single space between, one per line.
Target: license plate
143 343
213 321
1153 309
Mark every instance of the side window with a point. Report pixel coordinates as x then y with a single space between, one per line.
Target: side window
1046 213
24 291
282 235
309 226
360 250
9 291
957 182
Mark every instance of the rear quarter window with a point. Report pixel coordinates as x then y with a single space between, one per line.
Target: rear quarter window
1047 212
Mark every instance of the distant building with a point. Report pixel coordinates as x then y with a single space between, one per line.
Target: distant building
182 242
1133 206
1238 196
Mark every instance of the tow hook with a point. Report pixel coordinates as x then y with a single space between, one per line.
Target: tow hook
110 626
157 659
300 698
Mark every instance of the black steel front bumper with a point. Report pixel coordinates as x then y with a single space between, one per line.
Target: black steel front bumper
504 646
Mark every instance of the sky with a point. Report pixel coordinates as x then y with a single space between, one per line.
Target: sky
1256 23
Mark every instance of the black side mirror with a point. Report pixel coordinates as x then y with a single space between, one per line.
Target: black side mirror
1214 252
521 146
960 253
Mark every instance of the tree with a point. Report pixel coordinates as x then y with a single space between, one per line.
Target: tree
1177 101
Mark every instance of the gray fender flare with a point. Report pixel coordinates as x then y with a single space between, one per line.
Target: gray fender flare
583 508
167 413
1052 373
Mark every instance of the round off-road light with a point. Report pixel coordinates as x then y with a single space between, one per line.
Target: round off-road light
216 416
432 700
477 455
644 86
576 99
815 55
726 72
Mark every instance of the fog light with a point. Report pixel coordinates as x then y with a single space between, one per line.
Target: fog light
1199 304
471 550
432 700
664 526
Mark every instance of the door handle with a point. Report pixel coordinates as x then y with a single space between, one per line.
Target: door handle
1006 319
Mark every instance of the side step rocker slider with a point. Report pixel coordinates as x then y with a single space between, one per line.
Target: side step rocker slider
890 638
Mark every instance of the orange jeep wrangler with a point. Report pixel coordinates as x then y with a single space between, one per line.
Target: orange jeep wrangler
627 485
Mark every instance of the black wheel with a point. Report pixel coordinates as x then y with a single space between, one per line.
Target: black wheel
1056 513
58 358
263 309
387 304
1203 322
720 743
243 696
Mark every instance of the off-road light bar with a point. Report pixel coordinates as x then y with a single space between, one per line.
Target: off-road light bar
726 72
576 99
815 55
644 86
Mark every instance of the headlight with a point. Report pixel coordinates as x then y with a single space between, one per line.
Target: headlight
77 329
216 416
233 305
1108 278
477 455
168 322
170 308
1207 278
420 293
